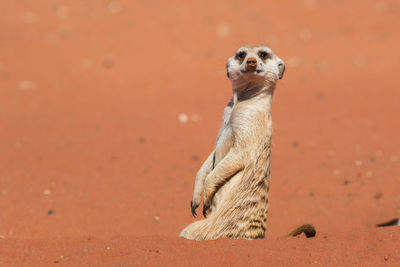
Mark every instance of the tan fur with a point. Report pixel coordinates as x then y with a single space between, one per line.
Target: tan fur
236 175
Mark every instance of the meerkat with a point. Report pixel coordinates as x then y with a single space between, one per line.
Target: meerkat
236 175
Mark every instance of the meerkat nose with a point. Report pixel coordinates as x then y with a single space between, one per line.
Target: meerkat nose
251 62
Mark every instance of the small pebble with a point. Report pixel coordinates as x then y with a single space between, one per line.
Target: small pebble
378 195
320 95
223 30
156 218
50 212
346 182
310 4
114 7
305 34
46 192
108 248
372 159
86 63
62 12
28 17
311 194
360 61
358 163
194 157
294 62
386 257
295 144
26 85
108 62
141 140
183 118
195 117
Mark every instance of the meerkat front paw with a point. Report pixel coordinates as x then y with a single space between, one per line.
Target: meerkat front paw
193 206
208 195
206 207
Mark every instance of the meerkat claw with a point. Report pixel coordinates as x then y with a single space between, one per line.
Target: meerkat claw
193 207
205 208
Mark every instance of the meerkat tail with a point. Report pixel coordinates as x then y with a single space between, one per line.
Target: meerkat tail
393 222
307 229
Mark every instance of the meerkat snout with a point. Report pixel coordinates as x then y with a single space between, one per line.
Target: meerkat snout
251 62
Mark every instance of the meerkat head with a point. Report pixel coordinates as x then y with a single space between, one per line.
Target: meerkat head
255 64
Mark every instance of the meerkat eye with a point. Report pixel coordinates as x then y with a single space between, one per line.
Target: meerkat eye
241 55
263 54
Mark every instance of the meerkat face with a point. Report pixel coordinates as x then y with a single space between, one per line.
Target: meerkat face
255 62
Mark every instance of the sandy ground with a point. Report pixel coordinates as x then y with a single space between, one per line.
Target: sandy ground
108 108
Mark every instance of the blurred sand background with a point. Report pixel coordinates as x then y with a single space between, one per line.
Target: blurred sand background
108 109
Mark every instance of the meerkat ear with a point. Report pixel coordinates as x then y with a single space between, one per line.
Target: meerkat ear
281 67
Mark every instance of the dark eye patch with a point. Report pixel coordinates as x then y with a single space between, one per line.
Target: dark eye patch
241 55
264 55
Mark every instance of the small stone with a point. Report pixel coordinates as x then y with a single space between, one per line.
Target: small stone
346 182
194 157
311 194
358 163
360 61
223 30
62 12
28 17
26 85
183 118
386 257
141 140
294 62
295 144
86 63
320 95
108 62
195 117
114 7
372 159
156 218
378 195
46 192
108 248
310 4
305 34
50 212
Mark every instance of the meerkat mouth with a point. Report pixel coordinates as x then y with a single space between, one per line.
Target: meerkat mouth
251 71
